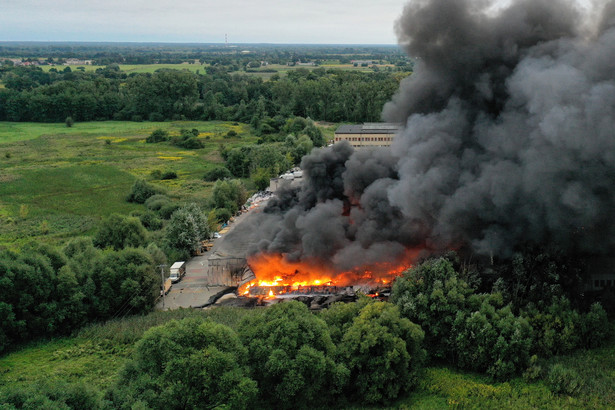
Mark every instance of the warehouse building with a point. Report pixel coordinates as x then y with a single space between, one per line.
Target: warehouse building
373 134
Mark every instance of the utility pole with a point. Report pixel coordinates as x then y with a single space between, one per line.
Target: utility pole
162 282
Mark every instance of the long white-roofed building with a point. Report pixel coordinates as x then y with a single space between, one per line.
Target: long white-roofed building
371 134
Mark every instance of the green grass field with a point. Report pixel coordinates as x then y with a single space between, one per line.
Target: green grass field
98 352
59 182
282 70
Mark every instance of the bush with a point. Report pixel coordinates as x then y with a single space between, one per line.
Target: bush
223 215
557 328
186 364
169 175
156 174
229 194
141 191
150 221
340 316
188 139
217 173
186 228
595 326
69 121
383 353
261 179
158 135
290 353
168 209
430 295
492 339
562 380
119 232
156 117
155 202
51 395
191 143
534 370
123 282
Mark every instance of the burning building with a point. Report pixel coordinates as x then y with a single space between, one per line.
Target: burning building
507 140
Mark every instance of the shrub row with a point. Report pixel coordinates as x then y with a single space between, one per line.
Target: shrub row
282 358
477 331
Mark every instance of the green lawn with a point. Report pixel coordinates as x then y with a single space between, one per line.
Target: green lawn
59 182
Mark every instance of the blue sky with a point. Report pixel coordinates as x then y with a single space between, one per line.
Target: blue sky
201 21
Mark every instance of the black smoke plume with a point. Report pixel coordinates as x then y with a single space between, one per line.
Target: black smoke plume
508 140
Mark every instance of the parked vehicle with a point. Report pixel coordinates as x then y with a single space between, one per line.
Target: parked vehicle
178 270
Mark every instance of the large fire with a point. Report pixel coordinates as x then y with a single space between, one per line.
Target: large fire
275 275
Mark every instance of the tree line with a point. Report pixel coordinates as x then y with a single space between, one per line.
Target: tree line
213 54
31 94
49 291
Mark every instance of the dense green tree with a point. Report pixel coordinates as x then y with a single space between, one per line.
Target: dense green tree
123 282
158 135
186 228
559 329
150 221
340 316
119 232
332 95
291 356
383 353
492 339
430 295
141 191
155 202
229 194
217 173
261 179
186 364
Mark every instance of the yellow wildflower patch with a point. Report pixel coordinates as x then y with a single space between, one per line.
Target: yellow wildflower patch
170 158
114 140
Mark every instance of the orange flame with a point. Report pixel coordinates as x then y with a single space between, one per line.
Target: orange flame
274 271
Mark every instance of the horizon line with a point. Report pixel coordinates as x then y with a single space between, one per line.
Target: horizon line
194 43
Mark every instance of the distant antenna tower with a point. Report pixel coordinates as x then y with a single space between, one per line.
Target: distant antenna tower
226 40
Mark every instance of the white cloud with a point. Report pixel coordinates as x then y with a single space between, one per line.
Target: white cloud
273 21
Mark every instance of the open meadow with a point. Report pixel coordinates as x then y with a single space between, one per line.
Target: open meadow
59 182
264 72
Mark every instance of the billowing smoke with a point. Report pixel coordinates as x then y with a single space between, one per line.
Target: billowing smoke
508 139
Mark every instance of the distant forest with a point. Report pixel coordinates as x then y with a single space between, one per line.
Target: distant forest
214 54
30 94
225 90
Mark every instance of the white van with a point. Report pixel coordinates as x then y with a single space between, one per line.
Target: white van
178 270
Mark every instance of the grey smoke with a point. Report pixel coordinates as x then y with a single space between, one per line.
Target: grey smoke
508 140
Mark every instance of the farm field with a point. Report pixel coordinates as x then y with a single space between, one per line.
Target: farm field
136 68
59 182
98 352
282 70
